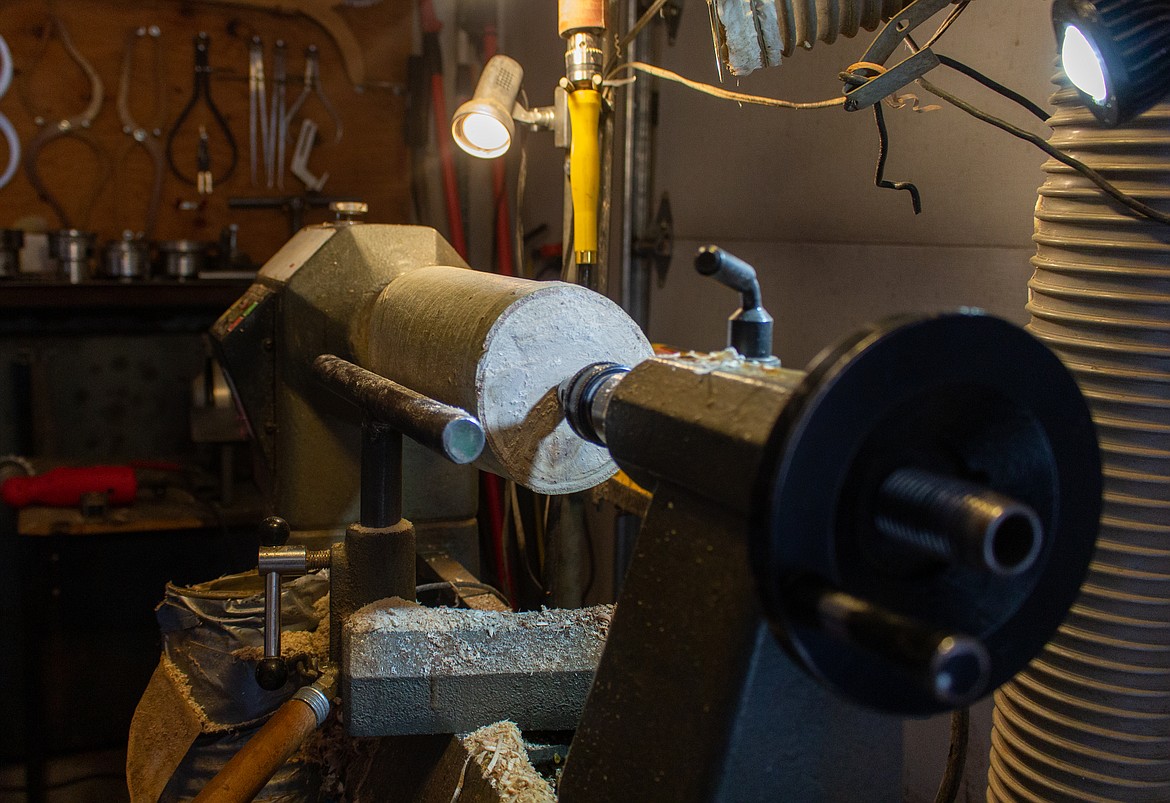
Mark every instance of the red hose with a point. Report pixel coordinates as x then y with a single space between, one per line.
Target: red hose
505 257
447 159
491 489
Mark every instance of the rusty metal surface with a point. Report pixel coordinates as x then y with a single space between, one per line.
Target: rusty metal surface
414 670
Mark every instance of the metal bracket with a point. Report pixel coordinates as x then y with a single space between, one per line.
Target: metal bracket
863 94
872 91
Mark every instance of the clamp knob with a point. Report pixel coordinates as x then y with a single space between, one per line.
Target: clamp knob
348 211
274 531
272 673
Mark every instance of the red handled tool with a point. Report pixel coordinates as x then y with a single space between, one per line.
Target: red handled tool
64 487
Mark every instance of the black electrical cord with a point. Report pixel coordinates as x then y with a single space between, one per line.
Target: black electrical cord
995 86
883 154
1128 201
948 788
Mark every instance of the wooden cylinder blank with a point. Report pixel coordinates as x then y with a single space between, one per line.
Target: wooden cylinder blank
581 14
499 347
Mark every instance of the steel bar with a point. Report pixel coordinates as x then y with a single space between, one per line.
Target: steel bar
450 431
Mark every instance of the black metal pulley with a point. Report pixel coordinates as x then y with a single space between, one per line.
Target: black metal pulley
943 473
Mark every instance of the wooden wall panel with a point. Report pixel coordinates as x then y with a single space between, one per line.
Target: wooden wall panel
370 162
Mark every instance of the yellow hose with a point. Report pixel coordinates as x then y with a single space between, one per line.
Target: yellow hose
585 172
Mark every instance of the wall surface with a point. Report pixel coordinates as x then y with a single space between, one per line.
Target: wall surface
793 193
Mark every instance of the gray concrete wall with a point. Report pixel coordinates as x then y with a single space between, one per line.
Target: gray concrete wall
793 193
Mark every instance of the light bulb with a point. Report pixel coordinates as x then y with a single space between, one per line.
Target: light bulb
482 135
1083 64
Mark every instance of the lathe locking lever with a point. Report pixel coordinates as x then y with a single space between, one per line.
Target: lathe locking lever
749 330
277 561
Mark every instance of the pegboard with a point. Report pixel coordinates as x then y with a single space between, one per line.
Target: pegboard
370 162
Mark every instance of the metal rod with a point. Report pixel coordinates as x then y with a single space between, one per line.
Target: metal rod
272 615
381 481
453 433
953 666
959 521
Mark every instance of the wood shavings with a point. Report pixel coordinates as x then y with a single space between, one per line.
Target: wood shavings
500 753
183 686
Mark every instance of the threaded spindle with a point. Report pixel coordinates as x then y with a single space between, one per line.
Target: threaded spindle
958 521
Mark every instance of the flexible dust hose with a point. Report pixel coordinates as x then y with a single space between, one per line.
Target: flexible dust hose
1089 720
242 778
585 172
757 33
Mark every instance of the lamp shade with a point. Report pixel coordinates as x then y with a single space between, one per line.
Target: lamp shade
483 126
1116 53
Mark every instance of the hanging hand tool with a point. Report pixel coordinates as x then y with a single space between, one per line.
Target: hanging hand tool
312 86
76 126
277 129
147 138
257 111
300 159
5 124
202 92
68 486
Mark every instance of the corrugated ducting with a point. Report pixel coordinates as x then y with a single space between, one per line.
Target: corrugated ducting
1089 720
759 33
